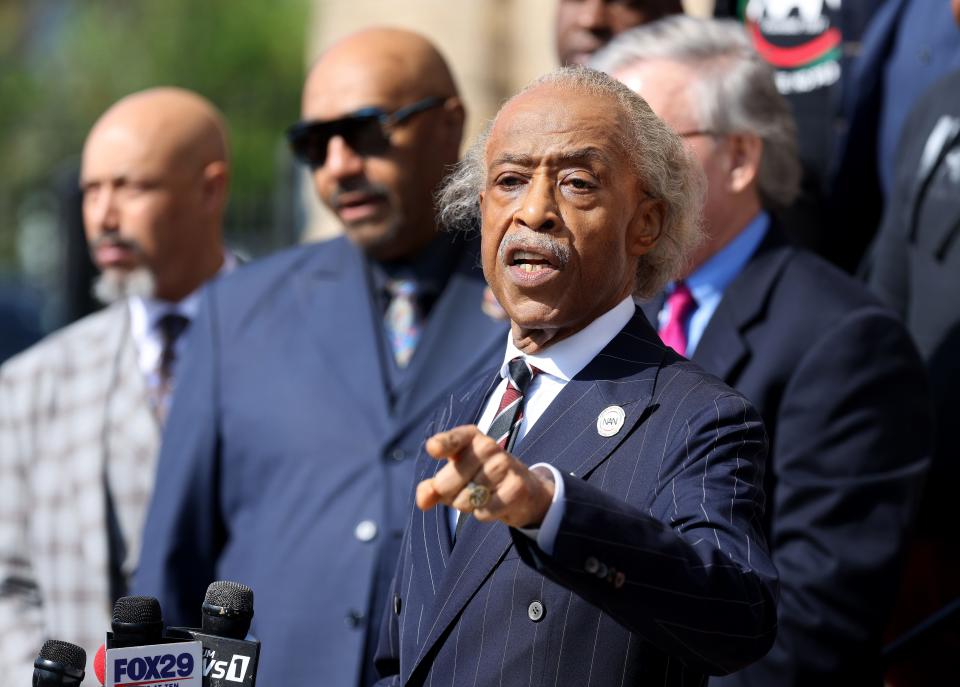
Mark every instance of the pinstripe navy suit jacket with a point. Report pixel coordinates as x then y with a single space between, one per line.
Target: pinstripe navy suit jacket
659 574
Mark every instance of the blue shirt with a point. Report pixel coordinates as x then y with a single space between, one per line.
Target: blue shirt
711 279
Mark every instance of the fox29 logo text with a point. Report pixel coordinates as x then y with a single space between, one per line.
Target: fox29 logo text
159 665
225 669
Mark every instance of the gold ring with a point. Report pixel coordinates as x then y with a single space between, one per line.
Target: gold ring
479 495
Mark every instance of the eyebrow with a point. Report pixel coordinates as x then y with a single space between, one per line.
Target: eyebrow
590 153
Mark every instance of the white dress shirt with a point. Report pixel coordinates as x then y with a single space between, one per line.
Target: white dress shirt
558 364
145 313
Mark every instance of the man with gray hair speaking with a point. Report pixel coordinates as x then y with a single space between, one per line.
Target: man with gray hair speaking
588 512
834 375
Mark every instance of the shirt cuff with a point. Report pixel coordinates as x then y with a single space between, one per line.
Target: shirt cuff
546 534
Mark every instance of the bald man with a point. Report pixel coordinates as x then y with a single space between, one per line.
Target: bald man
80 412
288 458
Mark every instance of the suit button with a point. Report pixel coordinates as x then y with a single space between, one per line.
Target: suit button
601 571
398 454
397 604
618 580
535 611
366 530
591 565
354 619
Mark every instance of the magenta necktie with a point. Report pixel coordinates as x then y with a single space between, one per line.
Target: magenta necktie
680 305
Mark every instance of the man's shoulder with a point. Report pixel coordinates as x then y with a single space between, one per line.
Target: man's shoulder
60 349
810 291
265 272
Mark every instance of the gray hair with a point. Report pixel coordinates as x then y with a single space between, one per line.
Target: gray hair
734 91
664 170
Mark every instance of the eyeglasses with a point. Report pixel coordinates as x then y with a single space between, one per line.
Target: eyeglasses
698 132
366 131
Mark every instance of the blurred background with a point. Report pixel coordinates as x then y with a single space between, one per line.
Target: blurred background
63 62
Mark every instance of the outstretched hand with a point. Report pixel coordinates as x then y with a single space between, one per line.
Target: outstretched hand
477 466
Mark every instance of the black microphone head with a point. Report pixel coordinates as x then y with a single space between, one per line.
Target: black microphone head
227 609
137 619
59 664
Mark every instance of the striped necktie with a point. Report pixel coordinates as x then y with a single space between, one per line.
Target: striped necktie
506 423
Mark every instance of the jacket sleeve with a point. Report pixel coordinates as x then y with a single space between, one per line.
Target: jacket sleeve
184 532
21 610
852 449
690 574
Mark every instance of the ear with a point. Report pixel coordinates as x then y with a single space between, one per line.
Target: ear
746 151
454 117
645 227
214 184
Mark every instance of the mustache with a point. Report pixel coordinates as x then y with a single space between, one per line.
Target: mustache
541 243
364 188
116 241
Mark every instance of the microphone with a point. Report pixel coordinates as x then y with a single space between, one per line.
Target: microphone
137 653
137 621
229 660
227 610
59 664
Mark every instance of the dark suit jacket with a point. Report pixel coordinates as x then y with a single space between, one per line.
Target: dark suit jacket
283 465
659 574
841 391
916 270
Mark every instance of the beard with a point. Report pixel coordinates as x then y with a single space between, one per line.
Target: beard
115 284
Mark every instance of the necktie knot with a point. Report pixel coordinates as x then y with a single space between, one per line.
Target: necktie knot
520 374
680 306
171 327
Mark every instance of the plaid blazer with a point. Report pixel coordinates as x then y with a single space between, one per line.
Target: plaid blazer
74 416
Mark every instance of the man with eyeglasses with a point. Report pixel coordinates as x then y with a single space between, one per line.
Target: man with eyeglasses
834 374
288 460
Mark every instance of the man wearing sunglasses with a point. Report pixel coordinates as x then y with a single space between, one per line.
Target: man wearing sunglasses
289 455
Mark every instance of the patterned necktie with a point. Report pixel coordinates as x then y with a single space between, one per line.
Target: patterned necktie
506 423
403 319
171 327
680 306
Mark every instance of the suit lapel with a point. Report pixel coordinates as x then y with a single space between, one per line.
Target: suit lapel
110 433
336 308
724 348
459 339
566 436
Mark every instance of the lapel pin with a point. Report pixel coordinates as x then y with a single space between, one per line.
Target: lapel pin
610 420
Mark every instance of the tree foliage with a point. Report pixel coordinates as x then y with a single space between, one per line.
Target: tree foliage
63 62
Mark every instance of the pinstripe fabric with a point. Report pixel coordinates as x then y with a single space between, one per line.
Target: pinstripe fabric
65 406
660 573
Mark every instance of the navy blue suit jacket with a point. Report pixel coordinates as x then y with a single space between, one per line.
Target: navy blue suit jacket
841 391
660 573
281 440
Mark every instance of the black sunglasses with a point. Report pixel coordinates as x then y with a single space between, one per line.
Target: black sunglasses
366 131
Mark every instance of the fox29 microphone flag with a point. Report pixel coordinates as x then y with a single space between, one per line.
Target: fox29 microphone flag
138 654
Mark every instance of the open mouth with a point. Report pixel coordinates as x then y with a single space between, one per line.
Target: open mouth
530 262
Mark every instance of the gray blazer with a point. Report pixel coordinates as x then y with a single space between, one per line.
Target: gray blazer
74 416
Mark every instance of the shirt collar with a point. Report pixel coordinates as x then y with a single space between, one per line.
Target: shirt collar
566 358
146 312
713 277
